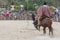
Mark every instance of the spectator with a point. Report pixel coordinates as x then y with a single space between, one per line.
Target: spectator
6 14
57 14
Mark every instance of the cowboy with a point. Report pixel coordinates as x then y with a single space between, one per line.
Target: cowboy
44 9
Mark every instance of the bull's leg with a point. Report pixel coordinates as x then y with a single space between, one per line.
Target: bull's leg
39 27
36 27
44 30
50 30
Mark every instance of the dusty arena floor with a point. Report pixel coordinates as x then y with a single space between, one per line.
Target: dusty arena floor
24 30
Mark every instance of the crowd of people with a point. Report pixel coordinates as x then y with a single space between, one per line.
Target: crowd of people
25 15
15 15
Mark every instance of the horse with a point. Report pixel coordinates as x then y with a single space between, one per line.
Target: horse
45 22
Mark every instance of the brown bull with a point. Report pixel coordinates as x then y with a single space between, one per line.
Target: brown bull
44 22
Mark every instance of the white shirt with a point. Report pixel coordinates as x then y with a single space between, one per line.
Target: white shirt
12 7
56 10
45 5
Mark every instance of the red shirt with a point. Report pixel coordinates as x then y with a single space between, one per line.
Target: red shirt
44 9
6 13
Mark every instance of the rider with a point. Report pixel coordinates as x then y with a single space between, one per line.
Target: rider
44 9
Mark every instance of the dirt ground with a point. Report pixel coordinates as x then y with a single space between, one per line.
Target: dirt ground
24 30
